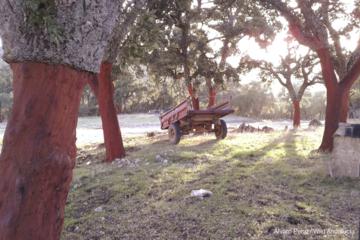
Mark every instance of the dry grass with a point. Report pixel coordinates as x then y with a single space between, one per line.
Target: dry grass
261 183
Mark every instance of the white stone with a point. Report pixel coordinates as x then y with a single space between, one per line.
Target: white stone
158 158
99 209
201 193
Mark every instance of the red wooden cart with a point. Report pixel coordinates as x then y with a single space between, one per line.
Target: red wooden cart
183 119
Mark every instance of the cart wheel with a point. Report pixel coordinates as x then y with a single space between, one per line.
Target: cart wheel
220 129
174 133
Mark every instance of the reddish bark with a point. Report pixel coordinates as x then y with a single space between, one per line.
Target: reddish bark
336 111
39 150
337 95
333 108
344 106
212 96
196 103
194 97
333 96
103 88
296 113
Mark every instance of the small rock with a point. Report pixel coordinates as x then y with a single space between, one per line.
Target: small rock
158 158
150 134
201 193
88 163
267 129
315 123
99 209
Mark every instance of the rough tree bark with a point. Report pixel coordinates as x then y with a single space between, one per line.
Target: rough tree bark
49 72
103 89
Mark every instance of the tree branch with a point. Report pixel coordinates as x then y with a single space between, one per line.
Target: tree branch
295 25
352 75
122 30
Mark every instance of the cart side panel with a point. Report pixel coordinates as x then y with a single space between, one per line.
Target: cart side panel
178 113
197 115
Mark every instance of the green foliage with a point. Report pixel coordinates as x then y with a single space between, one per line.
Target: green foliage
175 39
136 91
313 105
256 100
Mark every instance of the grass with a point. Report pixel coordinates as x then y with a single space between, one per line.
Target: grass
265 186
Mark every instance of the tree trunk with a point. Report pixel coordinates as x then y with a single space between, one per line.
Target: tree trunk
39 150
344 105
296 113
333 100
195 103
103 88
118 108
334 97
212 96
194 97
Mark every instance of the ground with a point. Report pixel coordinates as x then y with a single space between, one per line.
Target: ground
265 186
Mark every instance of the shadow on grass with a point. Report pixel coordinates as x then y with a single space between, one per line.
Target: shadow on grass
163 144
254 191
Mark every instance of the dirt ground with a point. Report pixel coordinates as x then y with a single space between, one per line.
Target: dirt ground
265 186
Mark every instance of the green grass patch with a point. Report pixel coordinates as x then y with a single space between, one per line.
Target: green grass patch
260 183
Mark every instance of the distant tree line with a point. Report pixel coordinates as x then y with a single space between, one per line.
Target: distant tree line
135 91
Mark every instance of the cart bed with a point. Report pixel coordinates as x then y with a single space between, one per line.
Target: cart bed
186 116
